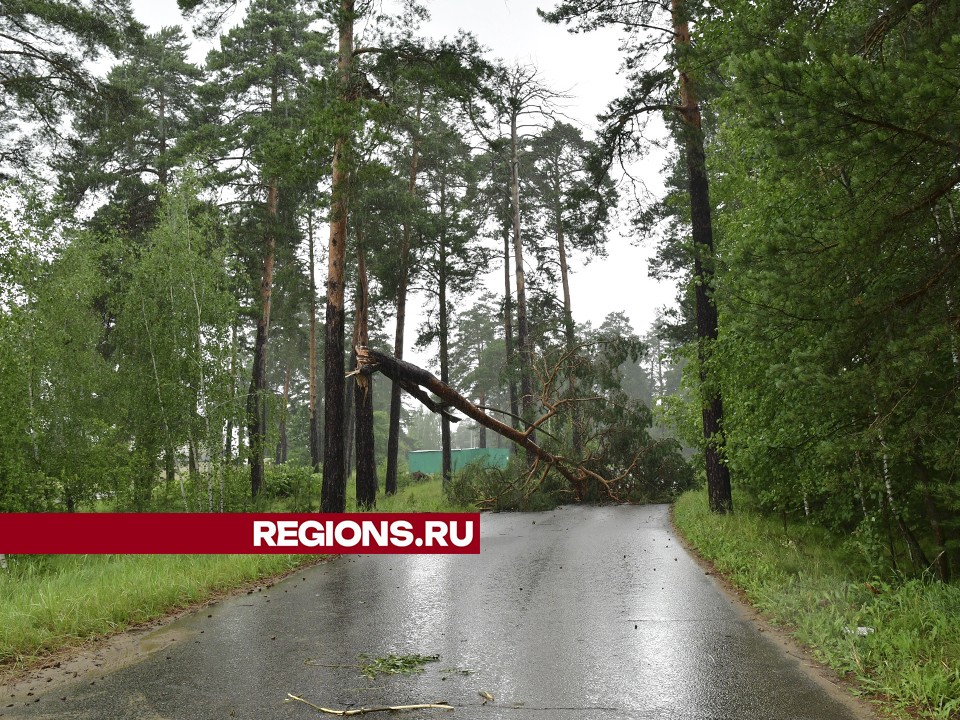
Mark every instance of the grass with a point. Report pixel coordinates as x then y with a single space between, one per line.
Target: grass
422 496
820 588
52 602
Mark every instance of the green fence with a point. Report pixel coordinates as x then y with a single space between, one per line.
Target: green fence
429 462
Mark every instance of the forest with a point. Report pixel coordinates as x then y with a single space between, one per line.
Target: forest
169 340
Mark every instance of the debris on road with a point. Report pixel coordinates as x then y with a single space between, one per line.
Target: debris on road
368 710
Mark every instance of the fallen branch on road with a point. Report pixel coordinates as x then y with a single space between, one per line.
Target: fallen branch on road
416 381
367 710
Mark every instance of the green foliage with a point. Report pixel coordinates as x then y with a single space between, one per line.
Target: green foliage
507 489
172 339
131 146
295 483
617 428
394 664
46 47
838 351
819 586
105 375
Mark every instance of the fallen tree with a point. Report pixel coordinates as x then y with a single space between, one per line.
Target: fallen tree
419 382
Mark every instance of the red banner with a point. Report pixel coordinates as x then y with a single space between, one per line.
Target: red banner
228 533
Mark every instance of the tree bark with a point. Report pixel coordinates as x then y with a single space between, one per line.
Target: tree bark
228 441
446 454
169 465
314 419
482 442
523 329
349 423
508 327
569 329
192 458
281 455
363 396
333 493
256 398
718 474
393 437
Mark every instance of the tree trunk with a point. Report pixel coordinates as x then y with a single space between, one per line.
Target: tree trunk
393 437
314 420
333 493
256 398
942 560
169 465
363 396
349 424
281 455
162 150
482 442
718 474
228 441
508 329
569 333
444 332
523 329
192 458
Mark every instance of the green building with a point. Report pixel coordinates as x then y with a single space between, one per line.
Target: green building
429 462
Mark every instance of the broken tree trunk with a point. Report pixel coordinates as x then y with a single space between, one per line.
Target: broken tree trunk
363 396
418 382
333 493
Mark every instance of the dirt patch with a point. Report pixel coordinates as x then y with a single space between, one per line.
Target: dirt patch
99 656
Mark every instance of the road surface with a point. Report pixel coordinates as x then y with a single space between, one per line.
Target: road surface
583 612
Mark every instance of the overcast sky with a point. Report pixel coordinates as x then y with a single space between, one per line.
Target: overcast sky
586 67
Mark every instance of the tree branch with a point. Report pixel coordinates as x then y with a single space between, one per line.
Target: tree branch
410 376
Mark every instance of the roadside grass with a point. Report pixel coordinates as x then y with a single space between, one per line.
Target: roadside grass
52 602
411 496
820 588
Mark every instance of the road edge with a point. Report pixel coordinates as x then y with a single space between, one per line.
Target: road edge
98 655
864 705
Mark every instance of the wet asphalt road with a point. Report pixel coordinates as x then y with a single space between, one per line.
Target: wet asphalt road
594 613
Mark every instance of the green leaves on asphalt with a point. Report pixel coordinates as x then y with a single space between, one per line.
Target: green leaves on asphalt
394 664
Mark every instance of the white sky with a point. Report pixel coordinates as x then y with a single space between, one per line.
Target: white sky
586 67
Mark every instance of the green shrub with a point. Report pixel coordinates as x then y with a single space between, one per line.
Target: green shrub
504 489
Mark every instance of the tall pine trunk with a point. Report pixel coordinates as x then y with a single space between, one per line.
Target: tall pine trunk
256 398
281 455
523 328
569 333
393 437
349 423
333 497
314 419
718 474
363 395
482 442
444 331
508 331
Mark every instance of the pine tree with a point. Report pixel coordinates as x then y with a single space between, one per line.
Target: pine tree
652 90
262 70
